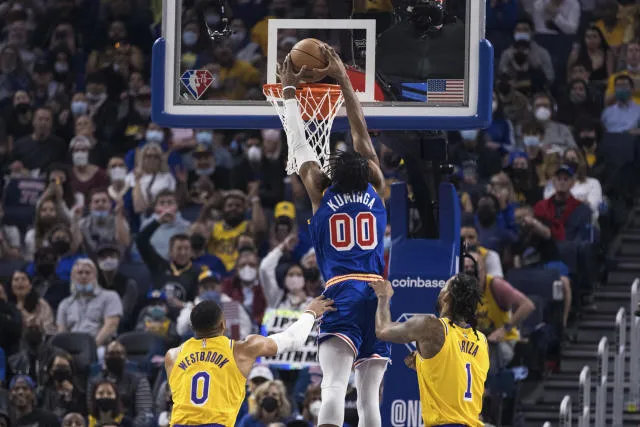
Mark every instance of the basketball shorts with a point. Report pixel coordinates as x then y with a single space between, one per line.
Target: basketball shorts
354 320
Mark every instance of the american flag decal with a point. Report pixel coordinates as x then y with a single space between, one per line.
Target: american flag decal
441 91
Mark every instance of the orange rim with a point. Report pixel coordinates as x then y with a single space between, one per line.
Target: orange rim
318 91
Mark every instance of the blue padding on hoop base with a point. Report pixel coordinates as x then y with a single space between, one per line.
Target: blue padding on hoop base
418 269
480 120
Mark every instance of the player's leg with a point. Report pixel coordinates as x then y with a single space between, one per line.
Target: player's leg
336 359
368 379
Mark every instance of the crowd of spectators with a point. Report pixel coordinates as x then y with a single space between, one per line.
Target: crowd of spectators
112 228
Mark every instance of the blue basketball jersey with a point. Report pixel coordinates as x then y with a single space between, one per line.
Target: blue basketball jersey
347 232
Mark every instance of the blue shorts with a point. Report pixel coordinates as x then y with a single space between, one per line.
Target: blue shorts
558 265
354 320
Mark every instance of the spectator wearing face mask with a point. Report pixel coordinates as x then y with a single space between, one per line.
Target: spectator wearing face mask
105 406
577 103
133 390
99 150
65 247
89 309
24 411
45 279
624 115
273 406
238 319
85 176
291 294
108 257
40 148
34 352
154 318
60 393
492 234
536 56
207 177
117 171
104 224
632 71
153 134
474 154
587 136
244 286
30 303
20 117
224 236
556 135
150 177
311 404
514 103
524 178
103 110
199 255
216 142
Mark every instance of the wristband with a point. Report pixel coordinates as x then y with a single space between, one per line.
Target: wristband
311 312
289 87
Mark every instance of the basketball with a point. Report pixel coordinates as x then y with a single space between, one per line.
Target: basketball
308 52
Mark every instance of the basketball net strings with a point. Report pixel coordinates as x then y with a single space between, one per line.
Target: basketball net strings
313 107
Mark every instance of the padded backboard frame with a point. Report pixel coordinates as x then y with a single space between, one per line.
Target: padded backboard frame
380 116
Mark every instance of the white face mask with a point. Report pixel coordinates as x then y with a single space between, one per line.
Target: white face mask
118 173
108 264
294 283
469 135
543 114
254 154
314 408
531 140
494 106
247 273
80 158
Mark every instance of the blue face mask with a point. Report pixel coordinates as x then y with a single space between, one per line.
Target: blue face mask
84 289
100 214
154 136
189 38
79 108
157 312
623 95
204 138
531 141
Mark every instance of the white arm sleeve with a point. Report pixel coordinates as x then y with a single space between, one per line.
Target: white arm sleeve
299 148
295 335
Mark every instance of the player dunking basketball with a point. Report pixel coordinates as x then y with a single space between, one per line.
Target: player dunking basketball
452 358
347 229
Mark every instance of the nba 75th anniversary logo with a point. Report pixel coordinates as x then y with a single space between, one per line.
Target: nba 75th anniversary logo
196 82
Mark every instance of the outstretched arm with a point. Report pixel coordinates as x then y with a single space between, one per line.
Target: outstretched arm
426 330
306 159
359 132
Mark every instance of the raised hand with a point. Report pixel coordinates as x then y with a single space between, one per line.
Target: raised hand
335 68
320 305
382 288
288 76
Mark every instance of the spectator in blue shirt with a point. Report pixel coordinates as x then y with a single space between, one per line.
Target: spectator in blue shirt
624 115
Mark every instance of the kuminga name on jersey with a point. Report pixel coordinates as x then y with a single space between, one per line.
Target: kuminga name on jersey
347 231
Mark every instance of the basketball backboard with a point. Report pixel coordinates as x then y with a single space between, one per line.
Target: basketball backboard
407 78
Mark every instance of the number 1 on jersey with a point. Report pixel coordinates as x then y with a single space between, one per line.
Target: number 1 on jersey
467 394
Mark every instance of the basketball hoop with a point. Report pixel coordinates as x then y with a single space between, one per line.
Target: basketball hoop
319 105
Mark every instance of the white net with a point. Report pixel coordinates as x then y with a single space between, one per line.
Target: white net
319 105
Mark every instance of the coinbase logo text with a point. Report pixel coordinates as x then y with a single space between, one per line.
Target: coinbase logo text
418 282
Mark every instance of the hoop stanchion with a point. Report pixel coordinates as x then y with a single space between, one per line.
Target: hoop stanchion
601 386
565 412
585 397
619 367
633 405
319 104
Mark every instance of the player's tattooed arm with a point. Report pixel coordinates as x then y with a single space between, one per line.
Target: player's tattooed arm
426 330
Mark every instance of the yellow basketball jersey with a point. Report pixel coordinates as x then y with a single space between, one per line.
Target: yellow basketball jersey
491 316
224 243
452 382
206 385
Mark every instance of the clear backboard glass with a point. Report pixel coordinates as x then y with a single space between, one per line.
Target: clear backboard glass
409 75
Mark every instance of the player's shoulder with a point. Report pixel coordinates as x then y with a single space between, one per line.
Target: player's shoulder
172 354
